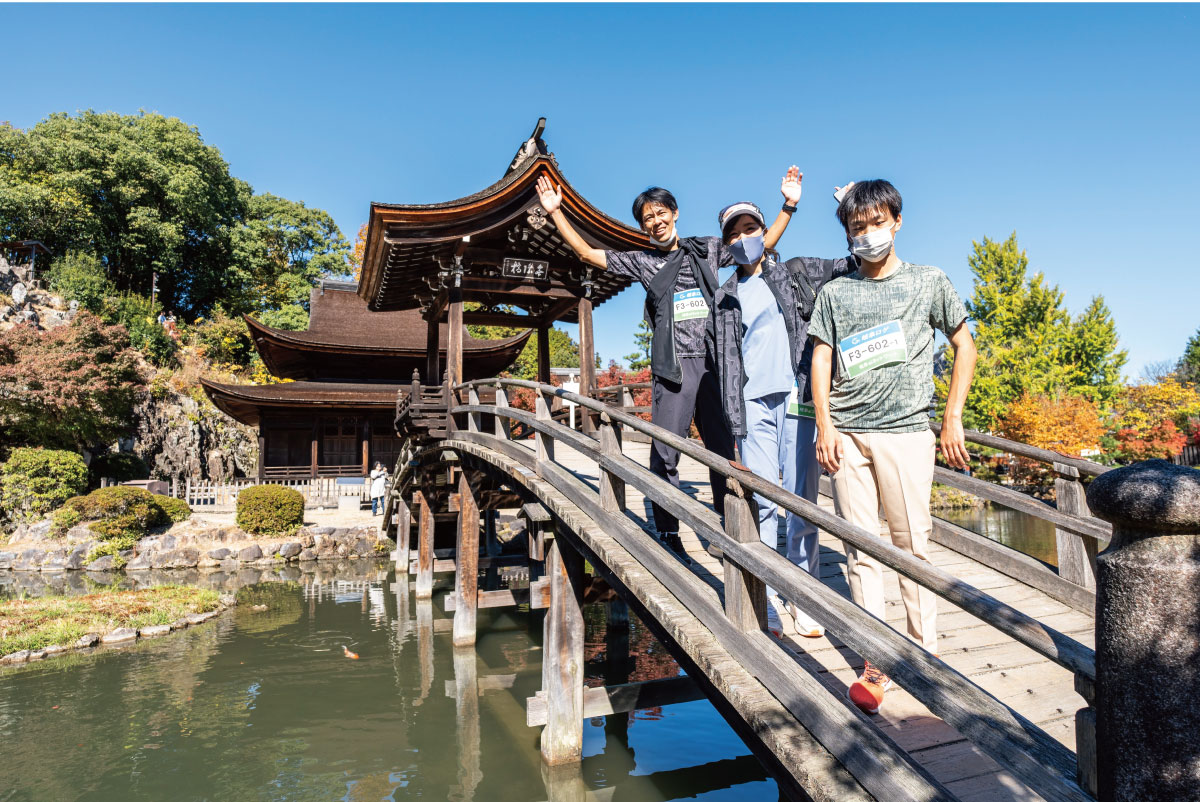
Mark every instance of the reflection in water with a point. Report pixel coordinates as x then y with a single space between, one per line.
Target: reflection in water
1027 534
264 706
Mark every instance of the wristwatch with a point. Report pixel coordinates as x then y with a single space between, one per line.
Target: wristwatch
789 208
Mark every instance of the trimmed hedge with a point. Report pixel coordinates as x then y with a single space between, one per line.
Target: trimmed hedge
270 510
174 508
35 481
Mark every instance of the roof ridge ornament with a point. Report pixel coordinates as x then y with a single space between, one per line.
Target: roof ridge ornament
531 148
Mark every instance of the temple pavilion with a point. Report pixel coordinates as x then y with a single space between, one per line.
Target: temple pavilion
492 258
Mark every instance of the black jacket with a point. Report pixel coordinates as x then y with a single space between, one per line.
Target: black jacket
795 284
660 308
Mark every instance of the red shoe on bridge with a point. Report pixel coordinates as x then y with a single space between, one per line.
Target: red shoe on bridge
867 692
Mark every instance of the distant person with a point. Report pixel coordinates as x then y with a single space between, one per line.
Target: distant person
760 317
170 323
378 488
162 319
872 378
680 277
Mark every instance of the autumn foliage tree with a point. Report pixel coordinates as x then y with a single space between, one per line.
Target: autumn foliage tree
1069 425
1151 420
70 387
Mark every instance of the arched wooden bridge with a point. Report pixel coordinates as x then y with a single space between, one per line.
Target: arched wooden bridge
1005 713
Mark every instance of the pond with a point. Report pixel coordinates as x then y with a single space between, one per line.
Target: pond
266 706
1017 530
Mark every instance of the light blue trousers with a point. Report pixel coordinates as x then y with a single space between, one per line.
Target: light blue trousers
779 444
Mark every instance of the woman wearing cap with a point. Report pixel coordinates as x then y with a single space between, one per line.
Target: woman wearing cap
761 315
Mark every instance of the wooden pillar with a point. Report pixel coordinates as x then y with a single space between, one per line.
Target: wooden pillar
1076 554
745 593
403 534
587 360
612 487
433 371
543 354
316 433
466 574
366 446
562 658
544 441
424 589
262 453
425 643
454 337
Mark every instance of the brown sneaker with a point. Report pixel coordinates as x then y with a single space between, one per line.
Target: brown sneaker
867 692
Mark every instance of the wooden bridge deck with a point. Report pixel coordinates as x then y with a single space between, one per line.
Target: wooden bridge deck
1016 675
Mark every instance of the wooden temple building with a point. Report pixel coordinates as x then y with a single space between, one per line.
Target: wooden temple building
496 252
499 253
335 415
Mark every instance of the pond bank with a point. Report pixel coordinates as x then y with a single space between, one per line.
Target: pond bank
34 629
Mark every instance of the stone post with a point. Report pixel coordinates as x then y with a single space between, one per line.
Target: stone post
1148 633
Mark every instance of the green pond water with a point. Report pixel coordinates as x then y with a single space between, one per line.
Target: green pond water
1016 530
265 706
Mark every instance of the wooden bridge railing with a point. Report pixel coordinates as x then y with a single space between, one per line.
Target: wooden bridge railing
1011 740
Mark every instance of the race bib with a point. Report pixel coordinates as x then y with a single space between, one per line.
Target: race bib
689 305
796 409
876 347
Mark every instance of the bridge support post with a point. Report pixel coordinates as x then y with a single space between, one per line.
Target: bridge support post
612 487
1148 633
466 574
544 441
1076 554
501 422
745 593
403 535
562 657
424 585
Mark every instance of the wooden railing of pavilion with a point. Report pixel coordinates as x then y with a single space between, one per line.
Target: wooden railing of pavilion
1016 743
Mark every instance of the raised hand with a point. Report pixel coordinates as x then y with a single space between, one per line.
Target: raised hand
840 192
548 196
790 186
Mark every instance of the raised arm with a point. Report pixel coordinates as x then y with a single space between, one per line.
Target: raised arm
790 187
551 200
829 440
954 447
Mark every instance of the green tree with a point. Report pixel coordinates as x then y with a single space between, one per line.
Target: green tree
34 481
1189 363
564 351
79 276
640 359
291 317
1028 343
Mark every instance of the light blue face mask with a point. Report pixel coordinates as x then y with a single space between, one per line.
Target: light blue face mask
748 250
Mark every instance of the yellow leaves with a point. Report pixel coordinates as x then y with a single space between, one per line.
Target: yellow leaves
1068 425
1141 407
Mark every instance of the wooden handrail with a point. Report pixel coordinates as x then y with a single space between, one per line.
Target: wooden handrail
1084 466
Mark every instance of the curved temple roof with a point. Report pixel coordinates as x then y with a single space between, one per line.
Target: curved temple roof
246 402
409 247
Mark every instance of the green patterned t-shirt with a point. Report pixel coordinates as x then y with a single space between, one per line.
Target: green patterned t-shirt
882 334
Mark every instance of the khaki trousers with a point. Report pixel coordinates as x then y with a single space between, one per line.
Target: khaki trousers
897 470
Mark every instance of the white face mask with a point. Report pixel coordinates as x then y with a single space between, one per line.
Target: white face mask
665 244
874 245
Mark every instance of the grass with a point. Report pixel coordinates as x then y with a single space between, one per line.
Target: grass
61 620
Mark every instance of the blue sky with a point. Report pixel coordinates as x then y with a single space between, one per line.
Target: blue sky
1073 125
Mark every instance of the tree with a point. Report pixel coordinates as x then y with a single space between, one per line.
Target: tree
144 193
1151 420
79 276
1189 363
640 359
1069 425
292 317
564 351
283 248
70 387
359 253
34 481
1027 341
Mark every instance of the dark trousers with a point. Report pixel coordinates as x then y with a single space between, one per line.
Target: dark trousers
673 406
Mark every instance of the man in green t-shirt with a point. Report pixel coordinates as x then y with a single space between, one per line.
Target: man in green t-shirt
874 336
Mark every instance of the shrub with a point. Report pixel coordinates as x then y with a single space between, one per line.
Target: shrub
80 276
140 318
120 467
224 339
35 481
270 510
174 508
122 514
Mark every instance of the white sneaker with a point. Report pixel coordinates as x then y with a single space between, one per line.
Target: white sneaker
774 624
805 626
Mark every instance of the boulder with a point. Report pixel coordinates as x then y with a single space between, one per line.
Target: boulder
229 564
32 533
321 530
76 557
54 560
104 563
289 551
28 560
37 654
250 553
87 641
16 657
139 563
178 558
119 635
51 651
219 554
207 562
7 558
307 554
155 631
307 541
363 546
